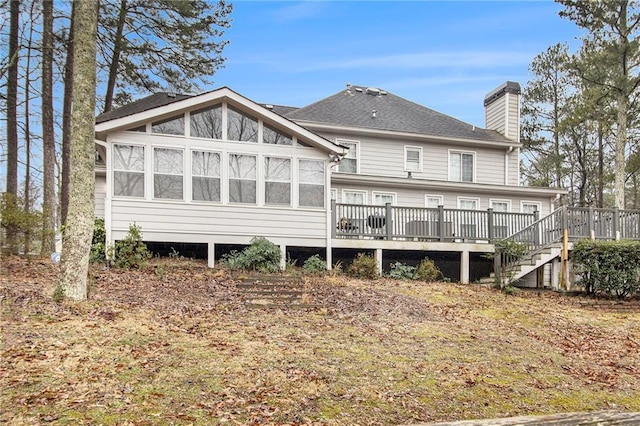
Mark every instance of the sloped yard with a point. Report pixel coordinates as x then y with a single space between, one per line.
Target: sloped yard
174 344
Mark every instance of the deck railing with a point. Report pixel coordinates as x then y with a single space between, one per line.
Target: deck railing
424 224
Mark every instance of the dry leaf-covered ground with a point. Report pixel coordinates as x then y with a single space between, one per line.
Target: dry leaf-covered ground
174 345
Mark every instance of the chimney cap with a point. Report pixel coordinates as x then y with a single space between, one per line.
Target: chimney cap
506 87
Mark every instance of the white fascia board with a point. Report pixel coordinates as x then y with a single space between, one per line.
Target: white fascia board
223 93
434 185
406 136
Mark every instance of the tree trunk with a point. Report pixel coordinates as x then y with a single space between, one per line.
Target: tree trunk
27 137
620 157
12 120
115 59
66 124
600 166
48 140
79 230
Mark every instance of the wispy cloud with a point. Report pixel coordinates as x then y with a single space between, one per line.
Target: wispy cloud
297 11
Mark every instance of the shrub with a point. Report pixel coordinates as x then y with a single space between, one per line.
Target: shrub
363 266
315 265
98 242
131 252
262 255
400 271
427 271
608 267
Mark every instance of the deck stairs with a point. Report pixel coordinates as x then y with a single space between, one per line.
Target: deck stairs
518 269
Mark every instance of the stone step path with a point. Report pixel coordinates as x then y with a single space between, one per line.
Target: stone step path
274 292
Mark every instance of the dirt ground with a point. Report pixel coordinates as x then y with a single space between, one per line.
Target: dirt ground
175 344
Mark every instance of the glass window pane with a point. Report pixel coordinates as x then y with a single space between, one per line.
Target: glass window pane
500 206
271 135
242 166
277 169
353 197
434 202
242 191
128 184
167 161
205 163
205 189
312 171
311 195
277 193
530 207
467 168
349 163
172 126
454 168
241 127
469 204
127 157
207 123
167 186
382 199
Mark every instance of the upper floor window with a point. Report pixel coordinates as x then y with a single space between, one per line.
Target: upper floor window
171 126
311 186
207 123
205 176
530 206
273 136
412 159
382 198
168 173
277 181
241 127
349 163
128 171
461 166
242 178
433 201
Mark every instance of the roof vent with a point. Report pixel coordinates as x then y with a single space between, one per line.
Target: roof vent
359 89
268 106
374 113
373 91
348 92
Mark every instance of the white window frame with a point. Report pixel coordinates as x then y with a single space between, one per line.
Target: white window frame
145 153
420 158
298 182
219 177
538 204
500 200
184 172
228 179
354 191
461 152
357 146
392 194
477 200
427 196
263 159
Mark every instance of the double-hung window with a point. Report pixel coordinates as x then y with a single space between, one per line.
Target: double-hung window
461 165
277 181
349 163
168 168
412 159
128 171
205 176
242 178
311 183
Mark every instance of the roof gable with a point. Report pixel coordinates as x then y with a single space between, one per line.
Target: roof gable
370 108
162 105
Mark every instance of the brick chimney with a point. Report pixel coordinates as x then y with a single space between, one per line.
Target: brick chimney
502 110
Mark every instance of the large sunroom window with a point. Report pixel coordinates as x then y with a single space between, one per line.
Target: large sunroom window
242 178
128 171
277 181
311 187
168 168
205 176
171 126
207 123
241 127
273 136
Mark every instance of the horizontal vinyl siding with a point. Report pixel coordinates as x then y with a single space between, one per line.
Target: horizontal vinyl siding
100 194
514 167
197 222
490 166
514 125
494 115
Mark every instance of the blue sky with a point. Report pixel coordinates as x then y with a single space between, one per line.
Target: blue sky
445 55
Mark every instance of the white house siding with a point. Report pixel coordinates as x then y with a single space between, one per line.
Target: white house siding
513 117
174 221
385 157
514 167
494 115
100 194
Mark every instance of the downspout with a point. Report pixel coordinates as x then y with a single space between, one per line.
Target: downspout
334 159
506 165
107 197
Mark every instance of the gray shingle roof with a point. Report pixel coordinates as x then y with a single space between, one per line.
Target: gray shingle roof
144 104
354 107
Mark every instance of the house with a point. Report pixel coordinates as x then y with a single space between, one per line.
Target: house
361 170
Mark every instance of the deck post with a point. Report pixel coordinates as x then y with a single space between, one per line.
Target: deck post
389 221
592 232
211 255
616 223
464 267
536 229
334 218
497 266
441 222
379 260
490 223
555 274
283 257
